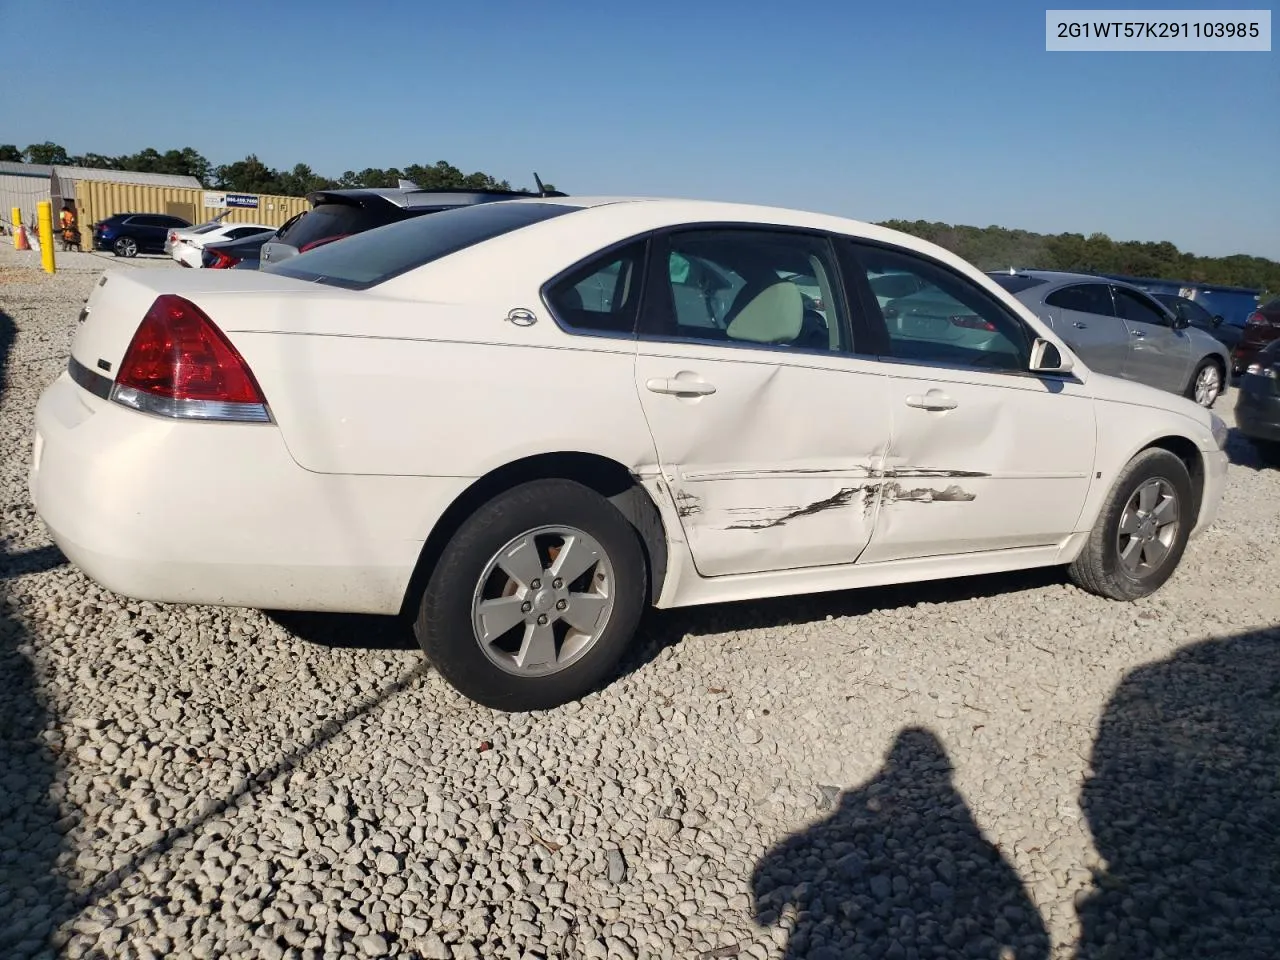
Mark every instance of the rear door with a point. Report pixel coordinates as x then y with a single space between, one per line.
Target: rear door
1085 316
768 428
1159 355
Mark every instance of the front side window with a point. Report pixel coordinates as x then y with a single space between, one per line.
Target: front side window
602 295
1092 298
1136 308
749 288
932 315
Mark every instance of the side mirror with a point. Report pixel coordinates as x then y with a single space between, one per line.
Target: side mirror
1217 320
1047 358
1181 323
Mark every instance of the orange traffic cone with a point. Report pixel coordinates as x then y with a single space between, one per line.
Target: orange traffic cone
22 243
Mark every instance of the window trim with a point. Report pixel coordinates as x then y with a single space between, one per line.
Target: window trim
660 249
871 309
1113 315
645 238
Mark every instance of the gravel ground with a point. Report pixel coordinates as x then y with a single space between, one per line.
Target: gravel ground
1000 767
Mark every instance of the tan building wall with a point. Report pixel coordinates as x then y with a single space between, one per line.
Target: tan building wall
96 200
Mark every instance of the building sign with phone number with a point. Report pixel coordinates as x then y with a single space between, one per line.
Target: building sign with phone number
214 200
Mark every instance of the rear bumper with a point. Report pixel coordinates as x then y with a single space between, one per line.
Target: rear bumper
220 513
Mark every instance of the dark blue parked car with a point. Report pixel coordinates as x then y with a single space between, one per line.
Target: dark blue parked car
129 234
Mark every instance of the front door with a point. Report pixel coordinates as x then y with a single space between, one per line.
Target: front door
1159 355
983 456
768 431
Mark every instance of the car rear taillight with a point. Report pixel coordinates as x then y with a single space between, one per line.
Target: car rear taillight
972 322
1257 319
217 260
179 364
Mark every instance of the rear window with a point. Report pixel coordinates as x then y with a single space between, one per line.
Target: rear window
207 228
337 220
378 255
1015 284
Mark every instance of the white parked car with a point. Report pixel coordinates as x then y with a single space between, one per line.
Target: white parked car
432 419
185 246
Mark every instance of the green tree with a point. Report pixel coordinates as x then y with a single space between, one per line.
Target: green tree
10 153
46 153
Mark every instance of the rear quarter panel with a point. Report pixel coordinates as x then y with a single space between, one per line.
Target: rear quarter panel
439 389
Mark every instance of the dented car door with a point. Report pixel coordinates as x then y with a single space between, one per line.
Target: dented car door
768 432
983 455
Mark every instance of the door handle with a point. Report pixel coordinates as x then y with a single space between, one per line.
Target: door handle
933 400
1080 326
672 385
1139 334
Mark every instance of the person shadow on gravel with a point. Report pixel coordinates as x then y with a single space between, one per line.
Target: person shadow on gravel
1184 807
900 870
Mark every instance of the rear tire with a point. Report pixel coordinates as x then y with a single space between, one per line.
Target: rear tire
1207 383
125 247
1119 563
544 643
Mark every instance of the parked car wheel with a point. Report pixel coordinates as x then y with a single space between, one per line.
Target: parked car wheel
1206 384
1142 530
125 247
535 598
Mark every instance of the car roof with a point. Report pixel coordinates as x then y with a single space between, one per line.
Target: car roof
418 197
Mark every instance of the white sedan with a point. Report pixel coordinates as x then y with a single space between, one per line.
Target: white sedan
443 418
185 246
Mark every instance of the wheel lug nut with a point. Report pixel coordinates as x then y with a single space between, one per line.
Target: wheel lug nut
526 607
557 583
536 585
542 619
561 604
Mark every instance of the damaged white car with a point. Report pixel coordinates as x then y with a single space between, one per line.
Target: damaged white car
520 423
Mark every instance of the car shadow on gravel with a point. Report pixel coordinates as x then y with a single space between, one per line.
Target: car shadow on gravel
1242 452
348 631
667 628
900 869
1184 807
31 892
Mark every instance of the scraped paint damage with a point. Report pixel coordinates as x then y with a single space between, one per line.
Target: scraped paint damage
886 490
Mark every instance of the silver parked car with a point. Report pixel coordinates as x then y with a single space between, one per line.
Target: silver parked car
1119 330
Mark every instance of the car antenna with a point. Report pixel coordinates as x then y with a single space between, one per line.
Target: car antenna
542 191
407 185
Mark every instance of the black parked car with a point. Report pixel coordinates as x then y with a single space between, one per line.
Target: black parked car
339 213
1225 333
242 254
129 234
1258 403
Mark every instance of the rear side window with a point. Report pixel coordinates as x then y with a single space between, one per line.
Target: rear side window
603 295
1092 298
336 220
376 256
1138 309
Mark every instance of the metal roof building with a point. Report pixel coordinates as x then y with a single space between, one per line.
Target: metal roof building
22 185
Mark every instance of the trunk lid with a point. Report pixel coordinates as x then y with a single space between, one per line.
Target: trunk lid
121 298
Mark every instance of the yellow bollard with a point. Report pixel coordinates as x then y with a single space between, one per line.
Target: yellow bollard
44 214
17 222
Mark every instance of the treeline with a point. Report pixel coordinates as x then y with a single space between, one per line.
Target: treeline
251 175
996 248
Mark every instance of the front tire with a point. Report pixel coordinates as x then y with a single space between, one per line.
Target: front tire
1141 533
125 247
535 598
1206 384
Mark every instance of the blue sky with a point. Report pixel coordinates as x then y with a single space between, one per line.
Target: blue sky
939 111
